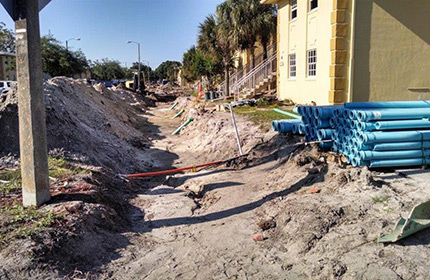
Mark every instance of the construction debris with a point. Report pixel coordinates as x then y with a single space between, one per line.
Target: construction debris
418 219
259 237
266 224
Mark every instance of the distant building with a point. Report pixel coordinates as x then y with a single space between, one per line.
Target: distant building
7 72
336 51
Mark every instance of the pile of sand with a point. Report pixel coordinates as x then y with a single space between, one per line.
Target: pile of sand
95 124
212 133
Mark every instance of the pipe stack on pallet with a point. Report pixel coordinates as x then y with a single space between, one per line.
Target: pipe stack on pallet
373 134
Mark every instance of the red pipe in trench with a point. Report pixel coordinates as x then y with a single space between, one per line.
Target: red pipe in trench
177 170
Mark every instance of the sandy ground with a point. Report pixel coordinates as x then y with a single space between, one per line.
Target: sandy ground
201 225
319 219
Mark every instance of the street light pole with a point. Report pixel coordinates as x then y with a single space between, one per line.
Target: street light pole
71 39
138 57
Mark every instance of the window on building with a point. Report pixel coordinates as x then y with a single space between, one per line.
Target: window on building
313 5
293 65
312 63
293 9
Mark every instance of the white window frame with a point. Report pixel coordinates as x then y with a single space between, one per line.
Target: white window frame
292 65
293 8
311 63
310 5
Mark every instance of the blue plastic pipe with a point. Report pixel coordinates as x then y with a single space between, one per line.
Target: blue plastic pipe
326 145
365 126
325 134
398 114
401 146
302 129
372 155
408 124
322 123
285 126
397 136
275 126
324 112
389 104
399 162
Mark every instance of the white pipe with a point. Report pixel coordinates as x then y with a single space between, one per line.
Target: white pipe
233 119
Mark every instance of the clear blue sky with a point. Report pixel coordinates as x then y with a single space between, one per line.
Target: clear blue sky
165 28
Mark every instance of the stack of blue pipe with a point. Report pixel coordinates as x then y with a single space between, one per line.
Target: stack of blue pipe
314 124
373 134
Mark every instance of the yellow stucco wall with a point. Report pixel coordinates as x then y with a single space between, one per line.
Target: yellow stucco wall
392 50
310 30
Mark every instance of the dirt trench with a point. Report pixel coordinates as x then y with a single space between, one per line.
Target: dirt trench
319 219
201 225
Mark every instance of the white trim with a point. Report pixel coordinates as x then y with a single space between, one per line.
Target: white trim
311 73
290 65
295 9
314 9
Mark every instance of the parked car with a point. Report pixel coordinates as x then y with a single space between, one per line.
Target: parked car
5 86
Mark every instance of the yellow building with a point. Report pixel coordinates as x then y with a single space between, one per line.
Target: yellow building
6 67
336 51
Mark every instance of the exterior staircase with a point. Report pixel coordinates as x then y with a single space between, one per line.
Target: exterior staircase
246 82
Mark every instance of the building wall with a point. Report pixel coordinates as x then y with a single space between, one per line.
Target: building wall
392 50
243 57
310 30
340 46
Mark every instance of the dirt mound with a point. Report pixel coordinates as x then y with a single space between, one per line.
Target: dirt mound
212 133
9 122
95 123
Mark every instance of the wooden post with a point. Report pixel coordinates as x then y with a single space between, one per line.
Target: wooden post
32 125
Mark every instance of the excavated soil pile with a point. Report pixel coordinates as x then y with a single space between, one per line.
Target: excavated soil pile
90 127
95 125
212 133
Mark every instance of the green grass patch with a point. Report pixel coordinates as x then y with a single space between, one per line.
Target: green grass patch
380 199
60 168
10 180
20 222
262 115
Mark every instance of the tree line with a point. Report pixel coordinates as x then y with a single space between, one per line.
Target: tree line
59 61
236 25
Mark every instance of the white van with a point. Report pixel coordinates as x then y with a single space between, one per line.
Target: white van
5 86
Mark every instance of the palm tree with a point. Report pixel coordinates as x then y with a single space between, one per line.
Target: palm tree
253 21
216 37
266 24
243 16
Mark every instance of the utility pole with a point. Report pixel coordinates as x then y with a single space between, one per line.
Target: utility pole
139 68
32 124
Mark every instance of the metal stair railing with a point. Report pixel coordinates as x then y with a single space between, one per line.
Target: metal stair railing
238 75
257 75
